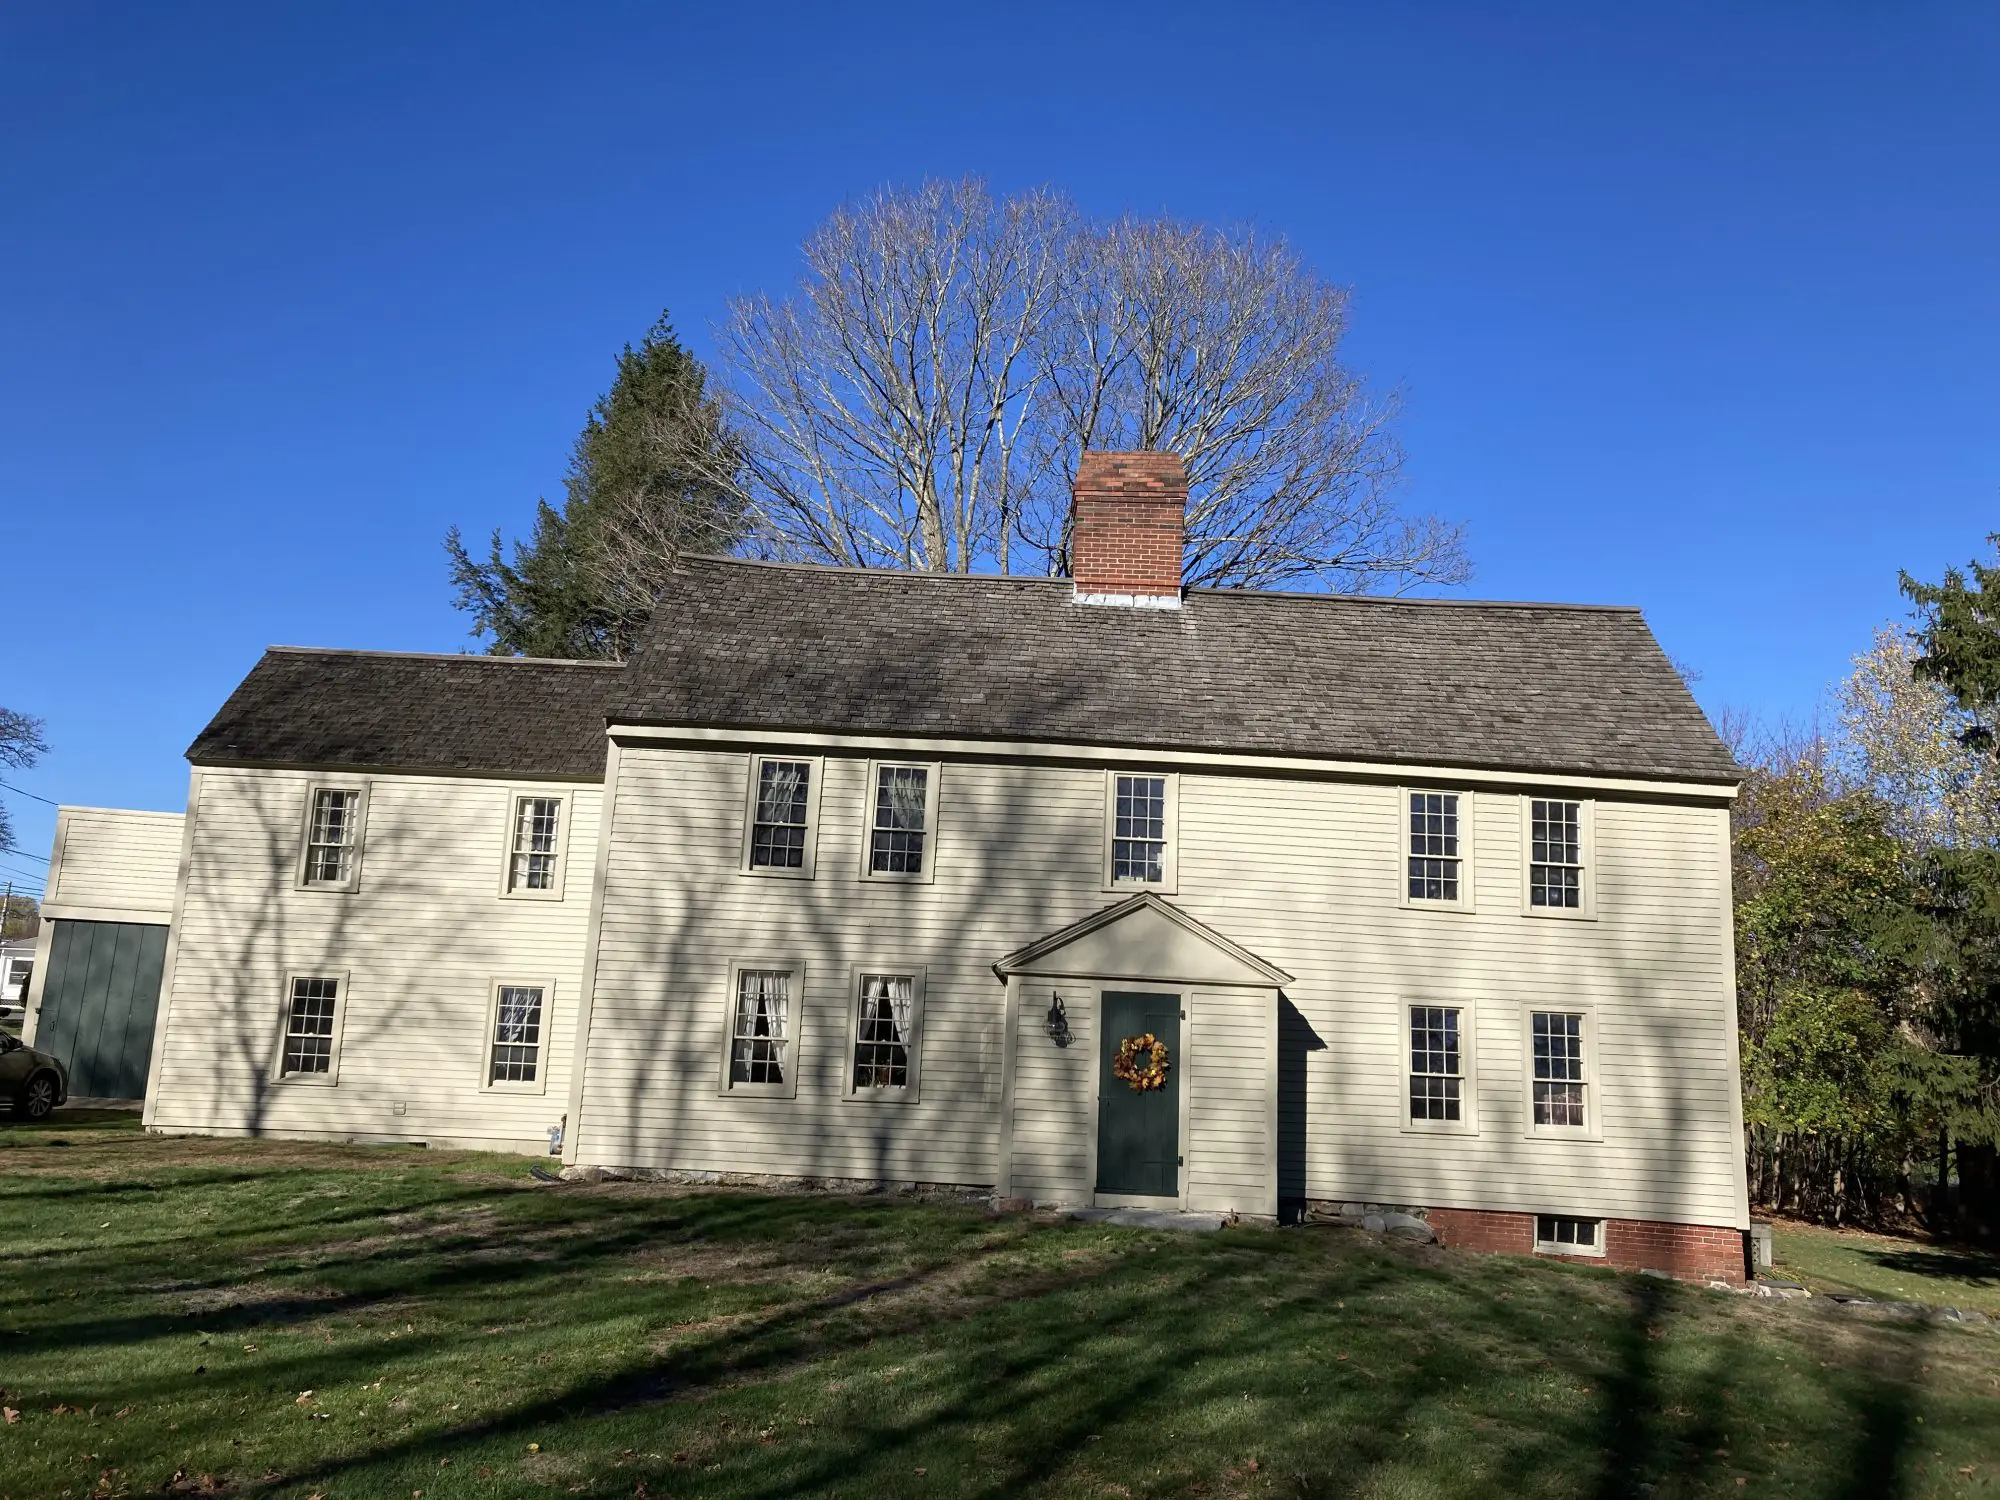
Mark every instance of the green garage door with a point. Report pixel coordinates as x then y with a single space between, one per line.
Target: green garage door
98 1003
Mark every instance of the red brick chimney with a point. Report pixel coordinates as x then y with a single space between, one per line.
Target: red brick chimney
1128 529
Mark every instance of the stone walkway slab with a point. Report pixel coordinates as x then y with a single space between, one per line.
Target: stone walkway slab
1149 1218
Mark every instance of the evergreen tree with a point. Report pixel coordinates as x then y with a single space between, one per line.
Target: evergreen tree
1960 637
653 474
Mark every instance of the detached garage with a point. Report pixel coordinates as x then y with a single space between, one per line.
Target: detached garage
95 994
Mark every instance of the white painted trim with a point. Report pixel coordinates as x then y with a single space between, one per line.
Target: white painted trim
1592 1129
353 881
1468 1065
1739 1158
933 776
1170 856
66 912
331 1077
1028 960
586 998
1468 885
1126 755
1010 1046
162 1015
516 795
488 1041
1586 817
795 1020
815 783
909 1094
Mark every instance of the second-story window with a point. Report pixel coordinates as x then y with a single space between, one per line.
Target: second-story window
333 836
533 858
1139 830
1555 855
1434 858
782 815
898 844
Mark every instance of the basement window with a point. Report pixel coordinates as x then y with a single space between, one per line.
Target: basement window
1556 1234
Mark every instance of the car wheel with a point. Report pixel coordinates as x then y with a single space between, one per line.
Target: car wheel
37 1098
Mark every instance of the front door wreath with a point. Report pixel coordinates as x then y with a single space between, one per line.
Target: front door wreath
1142 1076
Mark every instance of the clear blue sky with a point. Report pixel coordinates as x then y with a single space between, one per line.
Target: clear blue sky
1697 309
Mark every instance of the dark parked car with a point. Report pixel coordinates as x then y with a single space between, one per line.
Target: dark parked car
34 1081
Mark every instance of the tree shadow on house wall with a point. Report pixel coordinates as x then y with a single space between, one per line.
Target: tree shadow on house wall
1296 1038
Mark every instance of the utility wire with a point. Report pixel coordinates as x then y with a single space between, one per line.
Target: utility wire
32 796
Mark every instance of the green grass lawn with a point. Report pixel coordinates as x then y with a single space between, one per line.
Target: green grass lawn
246 1317
1889 1268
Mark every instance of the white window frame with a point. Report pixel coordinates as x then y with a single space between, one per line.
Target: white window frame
1468 1067
353 880
932 776
1170 856
489 1041
815 784
331 1077
907 1094
1557 1247
515 797
1592 1128
794 1021
1586 818
1466 810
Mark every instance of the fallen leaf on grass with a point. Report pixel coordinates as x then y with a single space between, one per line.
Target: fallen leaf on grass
534 1447
304 1398
12 1415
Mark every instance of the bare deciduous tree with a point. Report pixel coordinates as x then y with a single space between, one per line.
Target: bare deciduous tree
924 397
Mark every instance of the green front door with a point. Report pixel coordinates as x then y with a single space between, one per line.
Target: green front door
1139 1134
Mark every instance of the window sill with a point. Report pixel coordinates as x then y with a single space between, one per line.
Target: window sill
1581 1135
1560 913
758 1091
1439 1127
776 872
305 1080
1460 907
549 895
539 1087
344 888
890 877
1571 1252
1131 887
890 1097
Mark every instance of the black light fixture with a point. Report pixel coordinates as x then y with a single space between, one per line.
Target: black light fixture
1058 1022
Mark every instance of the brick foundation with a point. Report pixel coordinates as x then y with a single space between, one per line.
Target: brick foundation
1693 1252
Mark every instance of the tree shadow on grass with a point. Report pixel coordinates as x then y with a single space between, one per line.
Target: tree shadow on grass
1980 1268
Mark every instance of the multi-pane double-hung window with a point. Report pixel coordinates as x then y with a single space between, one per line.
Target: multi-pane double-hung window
884 1033
311 1043
1555 855
1435 869
1560 1083
1438 1076
900 833
1139 822
333 836
761 1029
515 1055
783 798
534 851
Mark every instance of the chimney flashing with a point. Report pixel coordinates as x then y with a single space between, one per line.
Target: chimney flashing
1128 601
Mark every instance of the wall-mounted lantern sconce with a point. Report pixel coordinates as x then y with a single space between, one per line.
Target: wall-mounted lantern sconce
1058 1022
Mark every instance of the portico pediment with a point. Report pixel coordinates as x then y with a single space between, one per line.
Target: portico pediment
1142 938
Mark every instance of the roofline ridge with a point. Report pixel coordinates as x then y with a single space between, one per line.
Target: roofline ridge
928 575
457 656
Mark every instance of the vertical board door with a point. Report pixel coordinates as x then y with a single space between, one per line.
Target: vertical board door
1139 1134
98 1004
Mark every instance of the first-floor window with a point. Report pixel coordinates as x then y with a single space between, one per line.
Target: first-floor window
309 1027
882 1032
1437 1073
759 1034
1559 1081
517 1034
1563 1234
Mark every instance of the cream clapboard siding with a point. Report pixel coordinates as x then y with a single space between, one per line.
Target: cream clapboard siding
1055 1096
421 942
1303 873
110 863
1231 1099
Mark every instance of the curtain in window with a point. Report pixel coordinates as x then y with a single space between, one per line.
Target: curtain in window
882 1033
757 1048
781 792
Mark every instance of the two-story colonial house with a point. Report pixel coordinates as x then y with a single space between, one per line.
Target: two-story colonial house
1079 891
